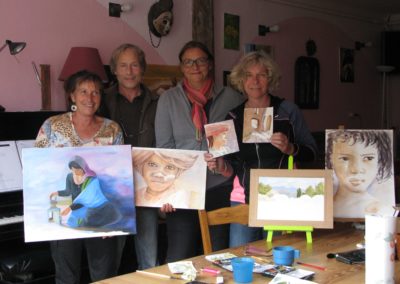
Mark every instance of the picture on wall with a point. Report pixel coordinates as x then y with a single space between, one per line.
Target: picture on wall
77 192
231 31
173 176
362 162
291 198
346 65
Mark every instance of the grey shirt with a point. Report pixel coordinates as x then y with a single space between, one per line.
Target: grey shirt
174 126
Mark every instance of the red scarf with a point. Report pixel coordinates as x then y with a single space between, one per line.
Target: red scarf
198 99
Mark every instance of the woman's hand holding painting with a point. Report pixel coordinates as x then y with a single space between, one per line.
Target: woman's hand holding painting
211 161
280 141
167 208
53 195
66 211
218 165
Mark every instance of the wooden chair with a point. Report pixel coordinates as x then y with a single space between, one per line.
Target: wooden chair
236 214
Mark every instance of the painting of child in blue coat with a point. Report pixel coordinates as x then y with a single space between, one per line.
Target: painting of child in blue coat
90 208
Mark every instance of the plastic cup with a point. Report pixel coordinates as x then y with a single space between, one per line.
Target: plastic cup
243 269
285 255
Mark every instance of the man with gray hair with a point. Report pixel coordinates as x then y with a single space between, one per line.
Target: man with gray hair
133 106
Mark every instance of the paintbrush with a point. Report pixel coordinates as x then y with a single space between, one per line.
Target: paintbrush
158 275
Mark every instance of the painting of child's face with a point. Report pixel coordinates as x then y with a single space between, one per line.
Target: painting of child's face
159 174
355 165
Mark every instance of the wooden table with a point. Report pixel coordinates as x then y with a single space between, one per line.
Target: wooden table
324 241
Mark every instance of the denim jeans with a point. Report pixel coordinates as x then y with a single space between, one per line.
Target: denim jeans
146 238
242 234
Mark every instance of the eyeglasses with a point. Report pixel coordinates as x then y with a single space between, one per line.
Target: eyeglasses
201 61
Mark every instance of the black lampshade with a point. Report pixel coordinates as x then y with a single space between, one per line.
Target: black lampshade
15 47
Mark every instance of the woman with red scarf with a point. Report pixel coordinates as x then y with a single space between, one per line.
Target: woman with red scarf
181 114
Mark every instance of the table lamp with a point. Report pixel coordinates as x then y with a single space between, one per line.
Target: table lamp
83 58
15 47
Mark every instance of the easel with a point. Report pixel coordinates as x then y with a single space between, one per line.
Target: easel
289 229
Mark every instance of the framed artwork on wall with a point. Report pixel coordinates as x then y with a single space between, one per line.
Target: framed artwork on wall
306 84
291 198
346 65
231 31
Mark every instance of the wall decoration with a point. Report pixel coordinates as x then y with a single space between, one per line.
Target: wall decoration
346 65
170 176
362 161
231 31
77 192
307 82
291 198
306 92
160 19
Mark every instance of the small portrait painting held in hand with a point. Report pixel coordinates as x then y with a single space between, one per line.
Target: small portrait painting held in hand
258 125
221 138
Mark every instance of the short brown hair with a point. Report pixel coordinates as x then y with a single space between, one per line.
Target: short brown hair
117 52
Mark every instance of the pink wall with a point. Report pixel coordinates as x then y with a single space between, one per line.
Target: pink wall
297 26
51 28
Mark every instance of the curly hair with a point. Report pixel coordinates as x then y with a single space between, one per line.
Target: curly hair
378 138
238 74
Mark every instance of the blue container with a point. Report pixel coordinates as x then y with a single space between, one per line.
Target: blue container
243 269
285 255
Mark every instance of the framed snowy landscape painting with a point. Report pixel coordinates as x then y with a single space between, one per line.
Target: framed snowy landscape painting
291 198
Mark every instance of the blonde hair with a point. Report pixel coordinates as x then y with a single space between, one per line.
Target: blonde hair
238 73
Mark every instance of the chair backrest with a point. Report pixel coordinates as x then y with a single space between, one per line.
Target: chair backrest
236 214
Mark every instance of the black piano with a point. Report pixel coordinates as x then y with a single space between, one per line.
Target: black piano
21 262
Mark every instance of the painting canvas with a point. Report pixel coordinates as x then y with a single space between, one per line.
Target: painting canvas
362 161
291 198
173 176
77 192
221 138
258 125
231 31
